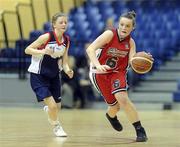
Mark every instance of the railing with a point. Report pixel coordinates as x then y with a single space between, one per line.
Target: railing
20 24
21 59
18 6
4 25
47 9
61 8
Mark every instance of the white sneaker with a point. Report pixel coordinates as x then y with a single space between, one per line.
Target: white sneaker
59 132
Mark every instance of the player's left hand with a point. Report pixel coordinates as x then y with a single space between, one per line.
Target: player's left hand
48 51
70 73
150 56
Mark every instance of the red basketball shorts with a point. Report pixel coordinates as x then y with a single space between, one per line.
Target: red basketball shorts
109 84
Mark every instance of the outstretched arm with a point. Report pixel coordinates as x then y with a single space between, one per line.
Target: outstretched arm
98 43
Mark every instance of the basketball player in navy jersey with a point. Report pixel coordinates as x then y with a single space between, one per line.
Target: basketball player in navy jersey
110 55
50 55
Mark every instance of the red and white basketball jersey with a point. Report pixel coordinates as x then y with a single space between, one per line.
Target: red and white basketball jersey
116 53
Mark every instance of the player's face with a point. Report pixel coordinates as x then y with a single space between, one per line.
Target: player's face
61 24
125 26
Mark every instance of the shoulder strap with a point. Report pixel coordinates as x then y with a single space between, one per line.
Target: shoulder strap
67 40
43 45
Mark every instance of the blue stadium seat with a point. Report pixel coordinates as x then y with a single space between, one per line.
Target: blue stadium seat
176 96
71 30
8 58
175 37
20 46
92 12
132 4
105 9
47 27
103 5
172 25
159 34
35 34
82 26
70 24
119 6
71 33
80 9
80 16
7 53
77 49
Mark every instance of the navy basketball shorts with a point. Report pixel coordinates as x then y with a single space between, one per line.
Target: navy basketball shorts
45 87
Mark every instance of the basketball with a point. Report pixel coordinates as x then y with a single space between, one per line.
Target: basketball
57 50
141 62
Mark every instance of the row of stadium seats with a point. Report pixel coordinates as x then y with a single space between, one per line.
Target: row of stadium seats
153 33
157 29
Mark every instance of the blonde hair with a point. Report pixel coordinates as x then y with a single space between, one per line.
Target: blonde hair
56 16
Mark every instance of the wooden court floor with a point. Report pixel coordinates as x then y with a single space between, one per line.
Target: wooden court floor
28 127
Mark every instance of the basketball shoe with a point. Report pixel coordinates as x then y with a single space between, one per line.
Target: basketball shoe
141 135
58 130
115 123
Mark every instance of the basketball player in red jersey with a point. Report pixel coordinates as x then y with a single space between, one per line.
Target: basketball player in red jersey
110 55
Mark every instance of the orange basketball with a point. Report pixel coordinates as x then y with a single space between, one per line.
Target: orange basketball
141 62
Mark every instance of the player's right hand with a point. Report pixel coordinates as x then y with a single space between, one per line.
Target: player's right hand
48 51
70 73
102 68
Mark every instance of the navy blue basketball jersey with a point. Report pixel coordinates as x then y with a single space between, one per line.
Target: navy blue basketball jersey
46 65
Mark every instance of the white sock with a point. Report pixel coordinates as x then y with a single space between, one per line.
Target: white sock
53 122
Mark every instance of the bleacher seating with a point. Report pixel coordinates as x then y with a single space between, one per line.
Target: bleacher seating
35 34
47 27
157 29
